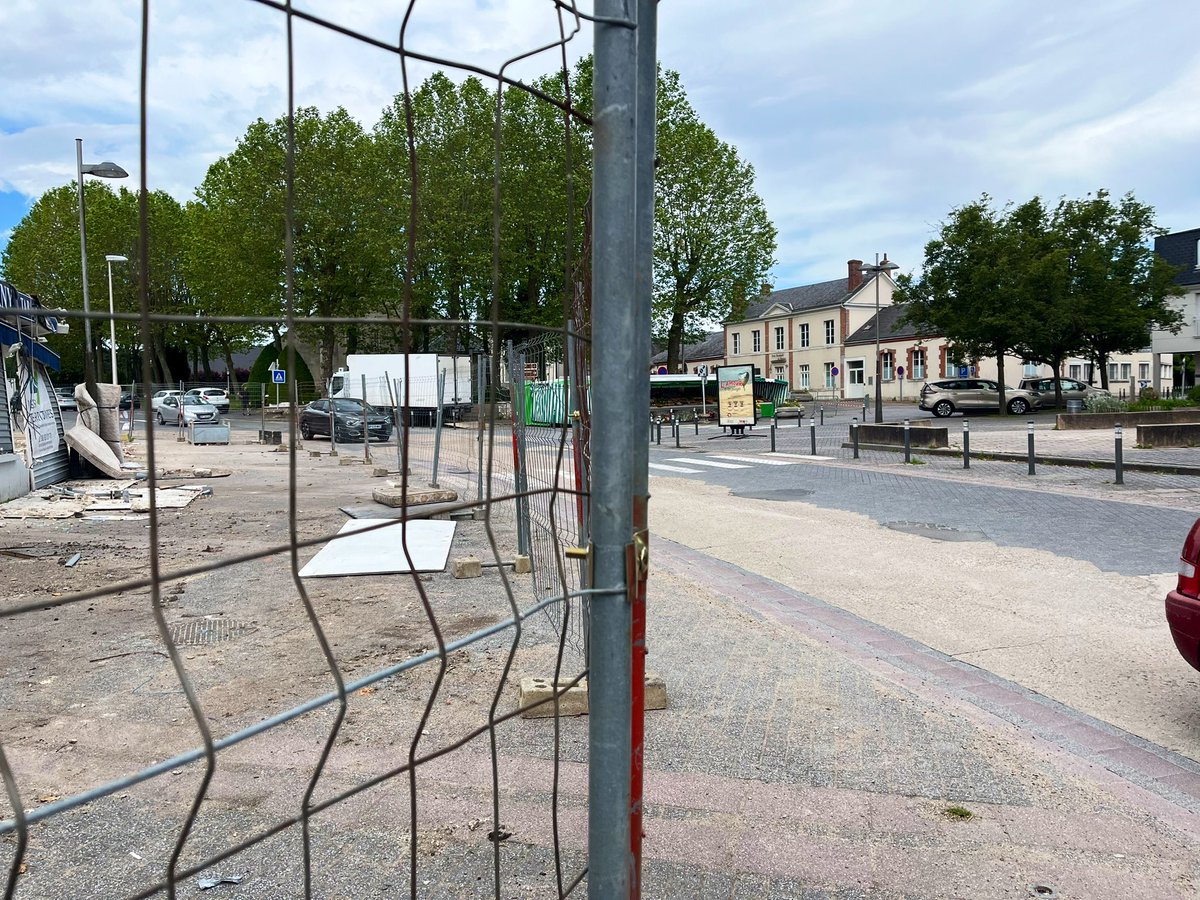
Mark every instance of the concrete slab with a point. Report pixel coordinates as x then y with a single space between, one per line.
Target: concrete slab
362 548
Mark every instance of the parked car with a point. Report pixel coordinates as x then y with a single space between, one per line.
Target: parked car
1071 389
1183 603
159 396
944 398
66 398
212 396
186 410
128 399
350 418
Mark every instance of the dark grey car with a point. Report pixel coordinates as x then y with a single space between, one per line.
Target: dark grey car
1071 389
944 398
350 419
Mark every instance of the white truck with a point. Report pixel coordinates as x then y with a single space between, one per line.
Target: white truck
383 371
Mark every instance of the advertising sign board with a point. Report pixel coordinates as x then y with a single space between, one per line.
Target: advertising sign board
735 396
39 400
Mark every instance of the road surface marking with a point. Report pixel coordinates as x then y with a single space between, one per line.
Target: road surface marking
708 462
803 456
674 468
757 459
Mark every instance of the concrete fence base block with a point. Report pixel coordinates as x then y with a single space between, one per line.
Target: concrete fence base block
574 700
347 461
392 496
571 702
522 565
379 472
466 567
314 454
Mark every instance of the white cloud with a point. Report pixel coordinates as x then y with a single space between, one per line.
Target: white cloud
865 120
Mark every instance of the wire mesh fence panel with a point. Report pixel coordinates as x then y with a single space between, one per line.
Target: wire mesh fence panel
281 668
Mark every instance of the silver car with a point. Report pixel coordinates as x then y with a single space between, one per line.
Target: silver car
944 398
1071 389
186 411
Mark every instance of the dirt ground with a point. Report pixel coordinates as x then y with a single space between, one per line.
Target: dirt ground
90 695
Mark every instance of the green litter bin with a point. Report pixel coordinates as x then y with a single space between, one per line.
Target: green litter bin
766 410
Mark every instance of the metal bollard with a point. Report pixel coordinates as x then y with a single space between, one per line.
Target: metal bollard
854 436
658 437
812 433
772 435
696 420
675 427
1031 458
864 418
966 444
822 410
1119 459
907 443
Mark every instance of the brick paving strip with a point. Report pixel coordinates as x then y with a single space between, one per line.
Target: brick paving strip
1165 783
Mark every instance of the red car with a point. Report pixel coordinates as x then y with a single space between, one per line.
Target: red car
1183 603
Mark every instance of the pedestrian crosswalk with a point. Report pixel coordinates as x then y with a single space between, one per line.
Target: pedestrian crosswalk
697 465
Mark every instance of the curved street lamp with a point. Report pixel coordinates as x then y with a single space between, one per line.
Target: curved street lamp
112 322
880 267
100 170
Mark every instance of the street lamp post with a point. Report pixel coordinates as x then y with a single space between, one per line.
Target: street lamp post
112 322
100 170
879 268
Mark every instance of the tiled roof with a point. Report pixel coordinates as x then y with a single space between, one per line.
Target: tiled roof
889 330
1180 249
807 296
712 347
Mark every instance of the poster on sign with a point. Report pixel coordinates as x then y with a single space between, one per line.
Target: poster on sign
735 396
40 422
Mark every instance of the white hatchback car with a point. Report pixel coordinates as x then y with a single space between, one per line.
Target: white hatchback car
212 396
160 396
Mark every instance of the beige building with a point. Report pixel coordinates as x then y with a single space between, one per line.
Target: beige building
799 333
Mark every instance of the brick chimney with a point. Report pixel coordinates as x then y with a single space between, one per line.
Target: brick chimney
855 279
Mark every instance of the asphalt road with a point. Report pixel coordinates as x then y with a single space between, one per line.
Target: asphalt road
1059 592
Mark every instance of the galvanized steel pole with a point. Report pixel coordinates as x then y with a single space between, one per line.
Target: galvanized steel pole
1031 456
966 444
1118 461
620 360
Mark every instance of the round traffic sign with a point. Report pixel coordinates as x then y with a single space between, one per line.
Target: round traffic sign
662 370
900 371
835 370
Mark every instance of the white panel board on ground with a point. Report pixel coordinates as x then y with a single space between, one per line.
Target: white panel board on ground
381 552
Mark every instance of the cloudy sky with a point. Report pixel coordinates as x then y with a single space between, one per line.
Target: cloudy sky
865 120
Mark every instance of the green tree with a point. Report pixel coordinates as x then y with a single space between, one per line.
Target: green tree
972 287
714 242
1113 275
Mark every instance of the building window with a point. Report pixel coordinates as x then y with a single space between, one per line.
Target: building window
829 376
780 373
918 366
804 380
778 337
1144 371
829 331
1031 369
1126 369
1112 371
737 344
889 365
1075 371
756 341
804 335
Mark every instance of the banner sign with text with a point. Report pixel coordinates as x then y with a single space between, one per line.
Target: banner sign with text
735 396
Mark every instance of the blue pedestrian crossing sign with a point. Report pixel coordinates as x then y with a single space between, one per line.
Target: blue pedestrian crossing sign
279 376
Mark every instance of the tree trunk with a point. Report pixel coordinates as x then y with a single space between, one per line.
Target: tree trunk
1102 362
232 373
1000 381
675 339
1058 401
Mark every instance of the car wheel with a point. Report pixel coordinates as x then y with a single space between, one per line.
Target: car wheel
305 432
943 408
161 420
1018 406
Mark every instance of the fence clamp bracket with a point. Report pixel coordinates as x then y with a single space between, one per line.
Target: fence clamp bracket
578 552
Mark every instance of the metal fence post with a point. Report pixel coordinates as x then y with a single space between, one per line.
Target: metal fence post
262 410
520 473
393 387
437 426
812 434
1118 462
854 435
966 444
1031 457
618 294
907 443
365 427
480 406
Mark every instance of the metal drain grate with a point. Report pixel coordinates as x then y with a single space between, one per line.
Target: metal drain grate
207 631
